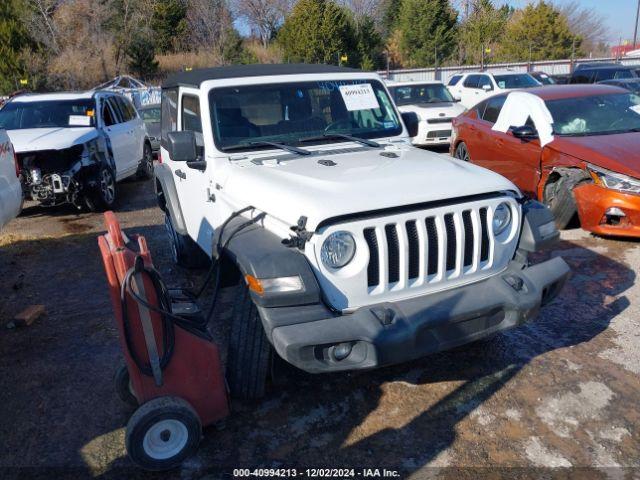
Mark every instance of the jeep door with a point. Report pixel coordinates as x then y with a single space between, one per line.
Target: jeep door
119 138
192 183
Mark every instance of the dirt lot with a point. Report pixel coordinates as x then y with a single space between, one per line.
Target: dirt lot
561 392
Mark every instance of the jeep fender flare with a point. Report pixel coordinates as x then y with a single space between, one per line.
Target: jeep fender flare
167 197
260 253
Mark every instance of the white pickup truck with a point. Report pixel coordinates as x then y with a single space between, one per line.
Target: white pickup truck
352 249
10 189
74 147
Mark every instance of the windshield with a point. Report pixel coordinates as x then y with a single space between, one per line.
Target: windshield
291 112
543 78
47 114
425 93
150 115
596 115
523 80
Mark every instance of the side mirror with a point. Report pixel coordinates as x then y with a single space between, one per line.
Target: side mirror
526 132
411 121
182 146
487 88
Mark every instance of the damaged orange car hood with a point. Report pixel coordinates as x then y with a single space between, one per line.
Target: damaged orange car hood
617 152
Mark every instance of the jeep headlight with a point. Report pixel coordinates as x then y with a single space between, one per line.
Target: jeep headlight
613 180
338 249
501 218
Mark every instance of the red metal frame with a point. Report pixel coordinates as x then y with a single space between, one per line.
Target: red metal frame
195 370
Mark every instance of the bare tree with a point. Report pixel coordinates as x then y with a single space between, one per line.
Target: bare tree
364 8
586 22
41 25
263 16
209 22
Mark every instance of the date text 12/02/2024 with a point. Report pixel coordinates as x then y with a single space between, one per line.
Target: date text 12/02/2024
316 473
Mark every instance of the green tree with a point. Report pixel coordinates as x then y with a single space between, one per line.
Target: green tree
427 28
13 38
142 57
369 44
390 14
318 31
169 24
483 28
539 32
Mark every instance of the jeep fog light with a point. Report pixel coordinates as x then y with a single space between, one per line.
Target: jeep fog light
501 219
338 249
275 285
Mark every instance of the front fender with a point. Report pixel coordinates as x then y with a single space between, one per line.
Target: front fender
260 253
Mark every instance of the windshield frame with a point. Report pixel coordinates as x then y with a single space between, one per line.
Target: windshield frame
588 133
84 102
295 80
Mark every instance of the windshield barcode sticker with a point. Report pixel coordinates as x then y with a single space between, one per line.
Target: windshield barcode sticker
359 97
79 121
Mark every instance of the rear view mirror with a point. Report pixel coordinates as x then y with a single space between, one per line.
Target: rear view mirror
182 146
526 132
411 121
487 88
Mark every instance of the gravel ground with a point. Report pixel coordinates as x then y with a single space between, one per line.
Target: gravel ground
560 392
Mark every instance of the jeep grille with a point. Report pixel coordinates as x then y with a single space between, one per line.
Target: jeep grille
417 252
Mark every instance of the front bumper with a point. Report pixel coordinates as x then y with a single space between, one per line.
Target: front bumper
594 202
391 333
432 134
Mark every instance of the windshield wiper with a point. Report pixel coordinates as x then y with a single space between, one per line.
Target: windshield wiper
262 143
363 141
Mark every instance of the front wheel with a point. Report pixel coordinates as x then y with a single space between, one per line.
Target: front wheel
558 196
462 152
162 433
103 195
249 356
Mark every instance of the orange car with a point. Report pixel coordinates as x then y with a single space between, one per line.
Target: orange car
590 168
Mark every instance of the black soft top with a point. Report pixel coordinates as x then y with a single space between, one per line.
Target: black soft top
194 78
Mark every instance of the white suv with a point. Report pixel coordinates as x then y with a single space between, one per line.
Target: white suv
10 190
473 87
434 105
74 147
353 249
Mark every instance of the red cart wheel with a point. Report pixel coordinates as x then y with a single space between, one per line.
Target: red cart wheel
162 433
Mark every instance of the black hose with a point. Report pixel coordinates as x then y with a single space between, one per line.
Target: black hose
169 320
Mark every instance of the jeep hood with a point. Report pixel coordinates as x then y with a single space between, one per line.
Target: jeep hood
35 139
356 182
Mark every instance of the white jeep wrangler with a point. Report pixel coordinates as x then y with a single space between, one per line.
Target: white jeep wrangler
355 249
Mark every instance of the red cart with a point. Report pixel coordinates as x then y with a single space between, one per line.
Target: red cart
172 371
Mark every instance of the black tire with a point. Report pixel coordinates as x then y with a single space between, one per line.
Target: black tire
145 170
558 196
249 355
162 433
122 382
185 252
104 195
462 152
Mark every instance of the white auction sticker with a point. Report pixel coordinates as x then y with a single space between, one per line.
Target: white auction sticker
79 121
359 97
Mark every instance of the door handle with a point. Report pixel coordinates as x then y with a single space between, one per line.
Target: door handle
181 174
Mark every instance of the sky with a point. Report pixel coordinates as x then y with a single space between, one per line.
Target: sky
620 15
